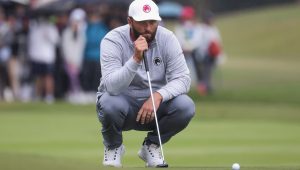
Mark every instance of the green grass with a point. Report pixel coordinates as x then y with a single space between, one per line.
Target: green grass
253 118
267 33
66 137
258 80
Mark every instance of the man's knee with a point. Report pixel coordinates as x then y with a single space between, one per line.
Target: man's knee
185 107
111 108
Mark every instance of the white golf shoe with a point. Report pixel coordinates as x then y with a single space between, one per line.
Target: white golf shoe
151 154
112 157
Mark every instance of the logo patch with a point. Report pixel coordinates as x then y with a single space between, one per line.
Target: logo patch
157 61
146 8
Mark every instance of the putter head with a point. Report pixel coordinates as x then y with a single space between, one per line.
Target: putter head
164 165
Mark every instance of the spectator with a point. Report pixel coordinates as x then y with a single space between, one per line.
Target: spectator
189 34
73 43
91 71
43 39
5 54
207 54
201 44
25 91
15 26
60 75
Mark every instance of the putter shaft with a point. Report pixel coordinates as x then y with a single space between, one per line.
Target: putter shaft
153 104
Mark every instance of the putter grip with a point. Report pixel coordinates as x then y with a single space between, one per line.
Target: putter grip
145 61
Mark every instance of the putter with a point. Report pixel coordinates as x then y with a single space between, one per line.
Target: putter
164 164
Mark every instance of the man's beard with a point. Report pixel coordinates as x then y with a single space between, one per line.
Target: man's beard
148 39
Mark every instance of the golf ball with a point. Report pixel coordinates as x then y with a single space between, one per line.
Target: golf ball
235 166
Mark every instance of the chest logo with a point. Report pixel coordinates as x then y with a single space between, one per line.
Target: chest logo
157 61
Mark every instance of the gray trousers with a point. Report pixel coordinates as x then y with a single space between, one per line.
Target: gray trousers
118 113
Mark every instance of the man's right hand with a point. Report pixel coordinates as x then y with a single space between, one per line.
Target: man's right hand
146 112
140 45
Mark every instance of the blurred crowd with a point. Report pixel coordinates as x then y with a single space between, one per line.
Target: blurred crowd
45 57
201 43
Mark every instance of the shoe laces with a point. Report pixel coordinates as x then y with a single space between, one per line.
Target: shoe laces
111 153
154 151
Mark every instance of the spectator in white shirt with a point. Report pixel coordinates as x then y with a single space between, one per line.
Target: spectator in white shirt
43 39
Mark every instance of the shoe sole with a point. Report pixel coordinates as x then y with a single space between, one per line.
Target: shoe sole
113 166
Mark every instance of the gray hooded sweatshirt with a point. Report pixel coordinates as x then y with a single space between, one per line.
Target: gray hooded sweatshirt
121 74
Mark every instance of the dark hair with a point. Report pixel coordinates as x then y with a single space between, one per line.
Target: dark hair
207 16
